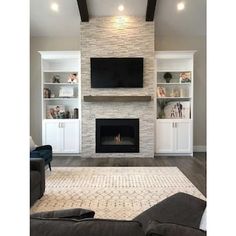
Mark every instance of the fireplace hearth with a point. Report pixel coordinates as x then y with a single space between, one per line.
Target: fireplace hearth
117 135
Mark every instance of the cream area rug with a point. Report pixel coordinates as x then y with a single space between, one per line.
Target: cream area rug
112 192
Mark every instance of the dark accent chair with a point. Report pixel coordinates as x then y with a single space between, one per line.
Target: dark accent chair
178 215
37 179
44 152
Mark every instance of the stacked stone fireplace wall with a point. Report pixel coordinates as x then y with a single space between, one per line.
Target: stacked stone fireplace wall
118 37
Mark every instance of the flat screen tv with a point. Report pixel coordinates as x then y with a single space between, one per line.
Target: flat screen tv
116 72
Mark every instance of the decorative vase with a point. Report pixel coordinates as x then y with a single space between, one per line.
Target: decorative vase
167 76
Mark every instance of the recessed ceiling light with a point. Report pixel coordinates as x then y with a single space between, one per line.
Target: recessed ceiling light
180 6
121 8
54 7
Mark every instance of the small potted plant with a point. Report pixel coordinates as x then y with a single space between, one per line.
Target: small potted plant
162 104
167 76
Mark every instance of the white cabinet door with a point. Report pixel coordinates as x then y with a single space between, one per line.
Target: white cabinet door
183 134
174 137
164 137
63 136
70 137
52 135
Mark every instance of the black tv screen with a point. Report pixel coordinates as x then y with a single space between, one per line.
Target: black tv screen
116 72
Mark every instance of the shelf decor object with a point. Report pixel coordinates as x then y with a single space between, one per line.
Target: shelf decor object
56 79
66 92
185 77
167 77
55 112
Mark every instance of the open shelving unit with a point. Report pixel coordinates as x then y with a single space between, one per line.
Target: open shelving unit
61 100
174 102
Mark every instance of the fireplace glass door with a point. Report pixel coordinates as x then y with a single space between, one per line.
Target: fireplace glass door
117 135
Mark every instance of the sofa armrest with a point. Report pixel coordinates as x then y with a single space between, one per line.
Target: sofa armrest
35 154
180 208
76 213
37 164
156 228
44 147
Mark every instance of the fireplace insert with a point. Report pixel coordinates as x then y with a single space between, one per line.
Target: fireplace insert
117 135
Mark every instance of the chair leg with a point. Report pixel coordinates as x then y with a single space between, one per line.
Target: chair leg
49 165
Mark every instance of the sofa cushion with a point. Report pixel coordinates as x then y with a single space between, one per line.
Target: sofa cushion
156 228
86 227
180 208
35 178
203 221
75 213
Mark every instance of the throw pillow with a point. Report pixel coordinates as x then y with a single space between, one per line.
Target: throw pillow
156 228
203 221
32 144
76 213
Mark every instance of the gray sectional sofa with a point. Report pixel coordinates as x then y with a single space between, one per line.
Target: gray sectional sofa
37 179
178 215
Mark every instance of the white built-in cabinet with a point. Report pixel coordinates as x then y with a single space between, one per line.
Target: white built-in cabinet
174 102
61 96
62 135
173 136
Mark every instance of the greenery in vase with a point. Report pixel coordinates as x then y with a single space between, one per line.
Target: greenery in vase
162 103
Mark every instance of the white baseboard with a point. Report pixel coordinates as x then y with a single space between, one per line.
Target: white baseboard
199 148
66 154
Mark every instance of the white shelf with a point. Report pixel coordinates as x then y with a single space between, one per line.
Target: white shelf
60 120
177 71
60 71
74 84
173 83
178 55
54 55
173 119
174 98
53 99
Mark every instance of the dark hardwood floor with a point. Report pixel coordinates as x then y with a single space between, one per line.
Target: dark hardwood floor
194 167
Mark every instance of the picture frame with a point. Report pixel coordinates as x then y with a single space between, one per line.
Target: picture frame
161 92
72 78
55 112
185 77
46 93
66 92
178 110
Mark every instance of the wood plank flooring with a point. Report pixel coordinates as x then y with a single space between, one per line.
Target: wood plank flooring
194 167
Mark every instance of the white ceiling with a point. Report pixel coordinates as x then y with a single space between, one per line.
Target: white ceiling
66 23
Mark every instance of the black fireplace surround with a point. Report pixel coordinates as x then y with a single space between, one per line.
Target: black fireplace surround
117 135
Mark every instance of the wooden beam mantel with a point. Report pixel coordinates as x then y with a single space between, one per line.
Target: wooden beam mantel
83 10
117 98
151 5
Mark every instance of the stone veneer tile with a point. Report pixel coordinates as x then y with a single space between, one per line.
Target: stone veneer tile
104 37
